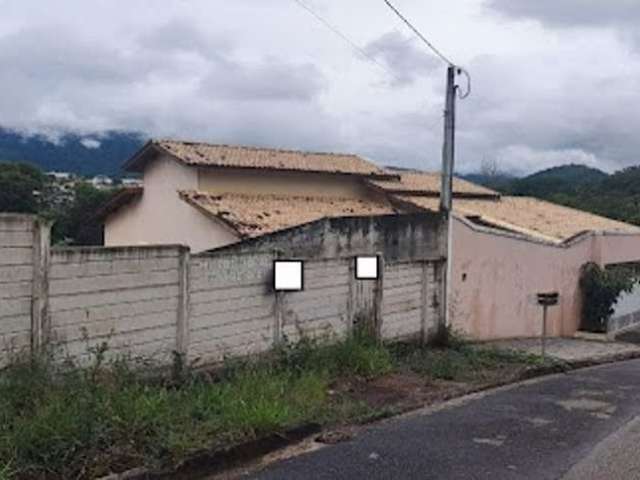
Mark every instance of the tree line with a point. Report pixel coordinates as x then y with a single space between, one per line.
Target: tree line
615 196
26 189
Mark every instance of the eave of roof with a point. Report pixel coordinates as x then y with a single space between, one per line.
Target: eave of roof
123 197
528 216
255 215
428 184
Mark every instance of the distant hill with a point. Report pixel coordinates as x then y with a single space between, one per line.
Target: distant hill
84 155
615 196
544 184
561 180
500 182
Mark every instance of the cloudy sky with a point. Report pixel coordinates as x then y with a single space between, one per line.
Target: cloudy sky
554 81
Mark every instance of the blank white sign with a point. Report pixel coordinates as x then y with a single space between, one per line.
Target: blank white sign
288 275
367 268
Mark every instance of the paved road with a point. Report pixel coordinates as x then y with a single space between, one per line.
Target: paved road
573 425
616 458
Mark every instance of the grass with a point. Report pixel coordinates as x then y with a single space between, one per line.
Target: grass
463 363
70 421
5 472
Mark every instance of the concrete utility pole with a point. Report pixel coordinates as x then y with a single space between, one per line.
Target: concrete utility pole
448 149
446 191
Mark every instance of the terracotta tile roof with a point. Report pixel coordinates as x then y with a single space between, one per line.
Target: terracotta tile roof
207 155
529 216
255 215
423 183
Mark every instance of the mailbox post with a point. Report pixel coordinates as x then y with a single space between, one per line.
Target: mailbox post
546 300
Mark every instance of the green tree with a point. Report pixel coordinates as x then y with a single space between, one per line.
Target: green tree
20 187
78 225
600 289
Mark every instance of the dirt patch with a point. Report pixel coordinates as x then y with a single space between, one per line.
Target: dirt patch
402 391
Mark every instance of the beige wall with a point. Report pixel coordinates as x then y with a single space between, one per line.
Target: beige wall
127 297
16 283
280 183
152 301
161 217
494 279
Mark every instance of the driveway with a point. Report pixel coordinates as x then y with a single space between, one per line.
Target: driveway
544 429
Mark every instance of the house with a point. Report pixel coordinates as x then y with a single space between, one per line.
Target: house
59 176
503 250
101 181
131 182
208 196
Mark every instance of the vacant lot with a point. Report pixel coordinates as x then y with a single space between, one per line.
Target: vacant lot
64 421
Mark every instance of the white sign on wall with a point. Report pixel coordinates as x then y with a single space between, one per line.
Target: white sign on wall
288 275
367 268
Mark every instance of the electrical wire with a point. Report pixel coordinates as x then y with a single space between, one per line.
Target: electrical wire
419 34
344 37
462 71
459 70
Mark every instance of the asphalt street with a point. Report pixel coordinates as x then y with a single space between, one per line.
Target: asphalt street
580 425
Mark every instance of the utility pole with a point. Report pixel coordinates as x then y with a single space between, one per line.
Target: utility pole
448 149
446 194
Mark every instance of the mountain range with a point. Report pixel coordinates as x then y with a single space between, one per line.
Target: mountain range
86 155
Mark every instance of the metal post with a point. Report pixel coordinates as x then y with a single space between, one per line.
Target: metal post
544 330
546 300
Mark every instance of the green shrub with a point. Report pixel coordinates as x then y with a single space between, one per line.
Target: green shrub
357 355
600 289
6 472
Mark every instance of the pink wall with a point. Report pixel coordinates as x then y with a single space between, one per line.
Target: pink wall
494 279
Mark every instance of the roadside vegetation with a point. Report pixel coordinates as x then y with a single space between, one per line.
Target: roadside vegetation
600 290
61 420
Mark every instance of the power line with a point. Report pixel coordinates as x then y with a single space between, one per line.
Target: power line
417 32
351 43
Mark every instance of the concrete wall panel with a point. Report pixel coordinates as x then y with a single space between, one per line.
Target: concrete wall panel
16 283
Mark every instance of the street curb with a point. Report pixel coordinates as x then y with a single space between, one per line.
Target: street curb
214 462
602 360
207 463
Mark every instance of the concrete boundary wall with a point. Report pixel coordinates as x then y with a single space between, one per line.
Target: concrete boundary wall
19 288
152 301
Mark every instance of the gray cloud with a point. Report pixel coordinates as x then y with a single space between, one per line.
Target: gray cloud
272 80
571 12
402 56
173 81
540 117
180 35
268 73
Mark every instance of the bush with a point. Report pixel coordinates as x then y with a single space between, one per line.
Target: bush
5 471
358 355
600 289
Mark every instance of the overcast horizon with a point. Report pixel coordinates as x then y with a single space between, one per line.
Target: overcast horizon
553 82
